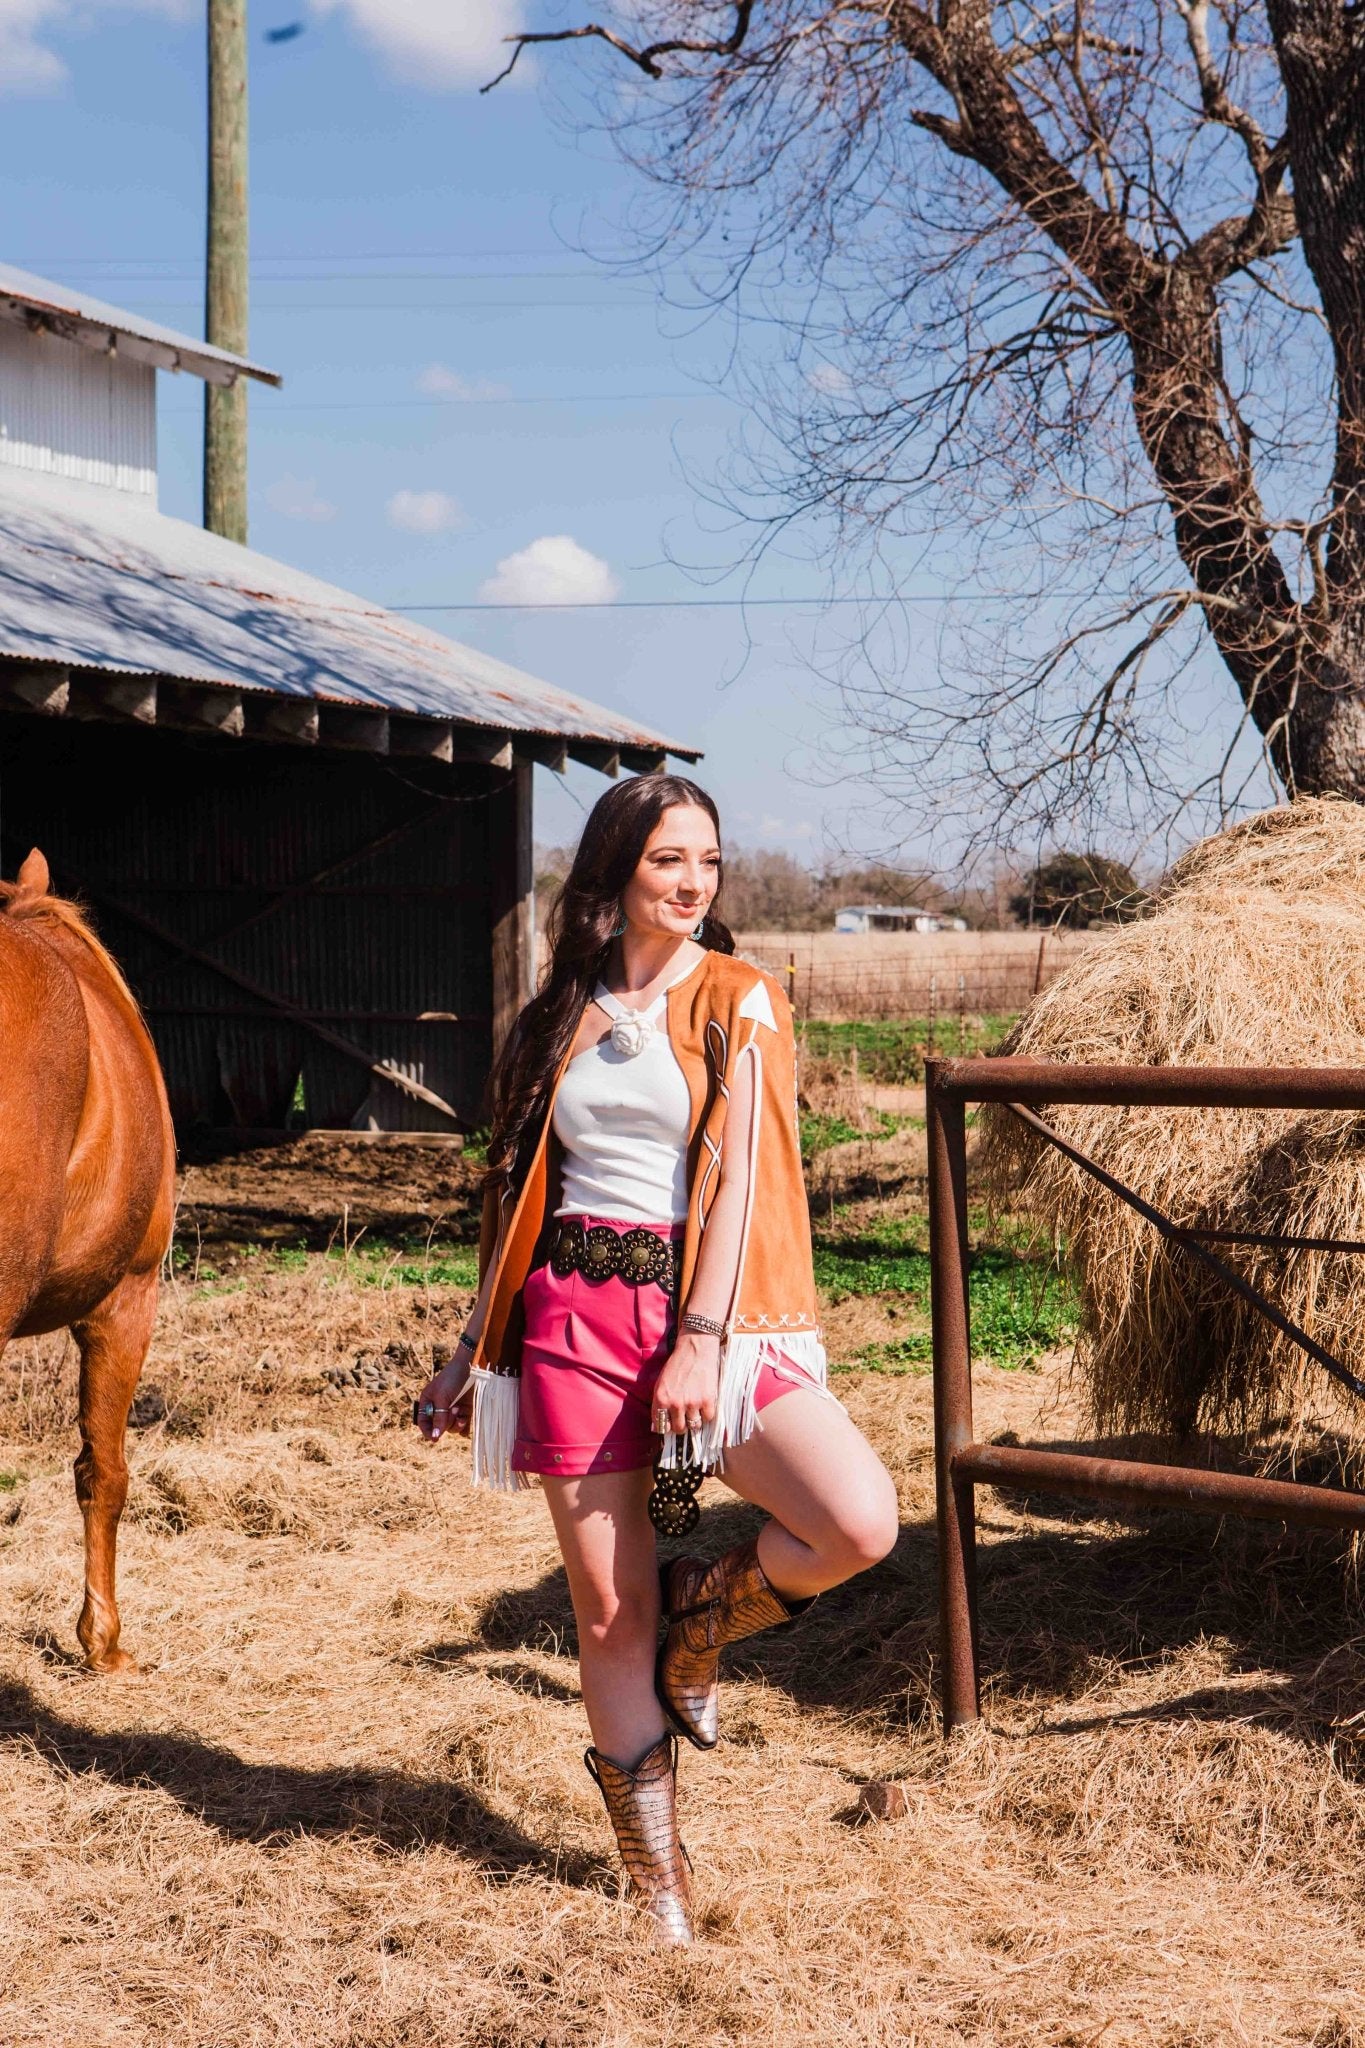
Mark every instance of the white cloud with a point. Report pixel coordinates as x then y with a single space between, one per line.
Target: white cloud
552 570
785 828
423 511
441 44
829 380
27 66
295 497
437 381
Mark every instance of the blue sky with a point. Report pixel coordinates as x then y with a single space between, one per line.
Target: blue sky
463 388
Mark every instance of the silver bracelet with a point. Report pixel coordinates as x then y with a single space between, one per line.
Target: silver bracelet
702 1326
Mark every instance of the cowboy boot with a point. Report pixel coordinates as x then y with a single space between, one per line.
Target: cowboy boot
704 1607
642 1807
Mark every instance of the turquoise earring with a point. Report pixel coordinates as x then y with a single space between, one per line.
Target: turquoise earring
618 930
699 929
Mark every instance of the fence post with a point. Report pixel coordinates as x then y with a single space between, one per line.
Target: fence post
956 1497
933 1022
791 987
1037 978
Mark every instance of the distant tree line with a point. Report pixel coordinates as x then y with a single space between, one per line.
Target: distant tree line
767 891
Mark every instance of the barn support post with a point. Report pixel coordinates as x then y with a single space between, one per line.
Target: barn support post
225 287
512 906
956 1493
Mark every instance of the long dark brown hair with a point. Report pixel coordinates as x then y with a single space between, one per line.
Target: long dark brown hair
580 928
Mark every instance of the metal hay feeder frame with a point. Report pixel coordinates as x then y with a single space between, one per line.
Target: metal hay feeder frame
961 1463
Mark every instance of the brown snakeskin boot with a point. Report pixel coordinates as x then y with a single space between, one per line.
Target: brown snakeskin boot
642 1807
706 1606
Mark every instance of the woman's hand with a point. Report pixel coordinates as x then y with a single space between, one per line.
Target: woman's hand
686 1390
446 1401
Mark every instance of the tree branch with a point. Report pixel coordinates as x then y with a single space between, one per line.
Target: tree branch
1213 90
646 57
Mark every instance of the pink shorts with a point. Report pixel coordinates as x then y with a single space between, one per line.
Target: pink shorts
590 1357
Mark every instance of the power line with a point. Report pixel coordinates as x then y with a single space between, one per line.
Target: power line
456 404
365 276
674 604
642 298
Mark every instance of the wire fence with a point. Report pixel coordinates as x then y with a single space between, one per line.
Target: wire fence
940 994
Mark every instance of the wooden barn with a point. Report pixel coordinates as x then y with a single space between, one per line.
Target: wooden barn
302 823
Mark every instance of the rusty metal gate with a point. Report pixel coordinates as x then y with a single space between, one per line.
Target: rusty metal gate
962 1463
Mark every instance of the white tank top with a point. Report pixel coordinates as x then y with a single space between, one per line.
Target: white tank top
622 1119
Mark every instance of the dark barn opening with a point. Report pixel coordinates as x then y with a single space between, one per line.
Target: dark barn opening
306 930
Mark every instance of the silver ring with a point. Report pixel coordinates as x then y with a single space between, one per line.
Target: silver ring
694 1422
428 1408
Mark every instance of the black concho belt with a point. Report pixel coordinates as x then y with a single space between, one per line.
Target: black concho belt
638 1256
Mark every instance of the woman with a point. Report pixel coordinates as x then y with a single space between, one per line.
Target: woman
648 1296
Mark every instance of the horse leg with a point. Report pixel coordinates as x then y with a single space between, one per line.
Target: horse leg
113 1342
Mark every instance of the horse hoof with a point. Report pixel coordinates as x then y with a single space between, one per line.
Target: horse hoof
108 1663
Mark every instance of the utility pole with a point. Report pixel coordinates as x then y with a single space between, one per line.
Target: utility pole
225 293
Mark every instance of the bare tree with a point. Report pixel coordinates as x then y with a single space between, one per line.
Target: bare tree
1084 284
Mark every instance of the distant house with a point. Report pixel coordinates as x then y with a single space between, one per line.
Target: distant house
881 917
303 824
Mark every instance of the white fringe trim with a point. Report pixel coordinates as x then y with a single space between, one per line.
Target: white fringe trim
497 1402
799 1358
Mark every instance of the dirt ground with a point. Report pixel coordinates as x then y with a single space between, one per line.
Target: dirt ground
343 1804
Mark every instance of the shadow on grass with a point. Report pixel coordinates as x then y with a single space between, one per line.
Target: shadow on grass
272 1803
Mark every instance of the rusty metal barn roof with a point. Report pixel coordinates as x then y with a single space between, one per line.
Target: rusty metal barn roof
77 317
96 580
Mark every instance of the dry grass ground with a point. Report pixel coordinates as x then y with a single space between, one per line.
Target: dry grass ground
343 1804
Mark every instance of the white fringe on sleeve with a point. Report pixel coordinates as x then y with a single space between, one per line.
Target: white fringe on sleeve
799 1358
497 1402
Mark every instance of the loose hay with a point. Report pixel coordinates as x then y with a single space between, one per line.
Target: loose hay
1254 956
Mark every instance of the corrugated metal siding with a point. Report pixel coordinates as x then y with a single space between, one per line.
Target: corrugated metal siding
72 412
197 837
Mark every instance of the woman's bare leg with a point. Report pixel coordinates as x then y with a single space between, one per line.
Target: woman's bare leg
607 1541
832 1500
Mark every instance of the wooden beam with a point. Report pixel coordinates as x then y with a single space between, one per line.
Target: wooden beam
477 743
430 738
281 718
549 750
513 895
644 760
37 685
606 759
130 698
367 731
201 708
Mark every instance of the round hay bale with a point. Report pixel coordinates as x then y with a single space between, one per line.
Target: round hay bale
1253 955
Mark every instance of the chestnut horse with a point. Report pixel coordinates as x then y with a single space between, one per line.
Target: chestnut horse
87 1188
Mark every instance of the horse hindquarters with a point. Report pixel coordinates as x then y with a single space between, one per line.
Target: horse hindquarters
113 1340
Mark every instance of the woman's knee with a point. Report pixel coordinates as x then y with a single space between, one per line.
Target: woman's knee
865 1527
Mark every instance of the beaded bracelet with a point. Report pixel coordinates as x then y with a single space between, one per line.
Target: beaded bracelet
702 1326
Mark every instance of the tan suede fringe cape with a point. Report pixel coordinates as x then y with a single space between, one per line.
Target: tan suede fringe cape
725 1012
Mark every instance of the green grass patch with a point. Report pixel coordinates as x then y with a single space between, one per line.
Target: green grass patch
10 1482
371 1262
914 1354
818 1133
893 1050
1021 1305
